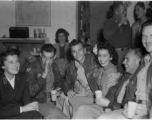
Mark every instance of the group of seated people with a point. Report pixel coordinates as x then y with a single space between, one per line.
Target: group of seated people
26 93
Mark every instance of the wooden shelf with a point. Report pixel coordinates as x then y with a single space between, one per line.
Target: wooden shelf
25 43
23 40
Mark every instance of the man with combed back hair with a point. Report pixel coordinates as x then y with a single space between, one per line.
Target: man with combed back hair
43 76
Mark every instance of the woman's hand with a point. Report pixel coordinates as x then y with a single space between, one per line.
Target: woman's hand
102 102
113 79
125 110
71 94
30 107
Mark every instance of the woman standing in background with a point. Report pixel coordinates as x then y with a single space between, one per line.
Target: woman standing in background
142 12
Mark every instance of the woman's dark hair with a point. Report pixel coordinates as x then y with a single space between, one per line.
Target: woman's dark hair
14 47
113 8
149 9
147 23
141 4
111 50
4 55
61 30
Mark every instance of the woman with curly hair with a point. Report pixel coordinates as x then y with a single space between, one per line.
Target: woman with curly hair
15 99
142 13
107 58
62 50
62 44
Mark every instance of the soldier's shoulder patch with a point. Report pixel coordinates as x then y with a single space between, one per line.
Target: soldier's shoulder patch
28 69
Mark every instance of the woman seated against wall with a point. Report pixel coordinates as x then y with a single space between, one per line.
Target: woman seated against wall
62 50
15 100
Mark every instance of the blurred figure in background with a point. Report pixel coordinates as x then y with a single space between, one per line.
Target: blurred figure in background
143 13
117 30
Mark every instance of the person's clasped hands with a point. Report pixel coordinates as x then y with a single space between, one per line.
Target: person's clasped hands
30 107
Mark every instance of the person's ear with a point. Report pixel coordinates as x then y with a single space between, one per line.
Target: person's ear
54 57
110 58
137 61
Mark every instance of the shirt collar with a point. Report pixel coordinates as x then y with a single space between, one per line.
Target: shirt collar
10 80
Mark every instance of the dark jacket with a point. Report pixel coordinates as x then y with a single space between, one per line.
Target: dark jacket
129 93
11 99
91 68
37 84
118 37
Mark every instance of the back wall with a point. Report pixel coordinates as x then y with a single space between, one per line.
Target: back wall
63 15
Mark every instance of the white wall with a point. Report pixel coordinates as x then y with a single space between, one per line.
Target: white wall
63 15
130 12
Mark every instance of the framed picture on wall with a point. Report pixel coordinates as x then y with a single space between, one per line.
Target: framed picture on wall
33 13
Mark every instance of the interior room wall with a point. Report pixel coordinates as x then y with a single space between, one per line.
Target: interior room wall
63 15
98 11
